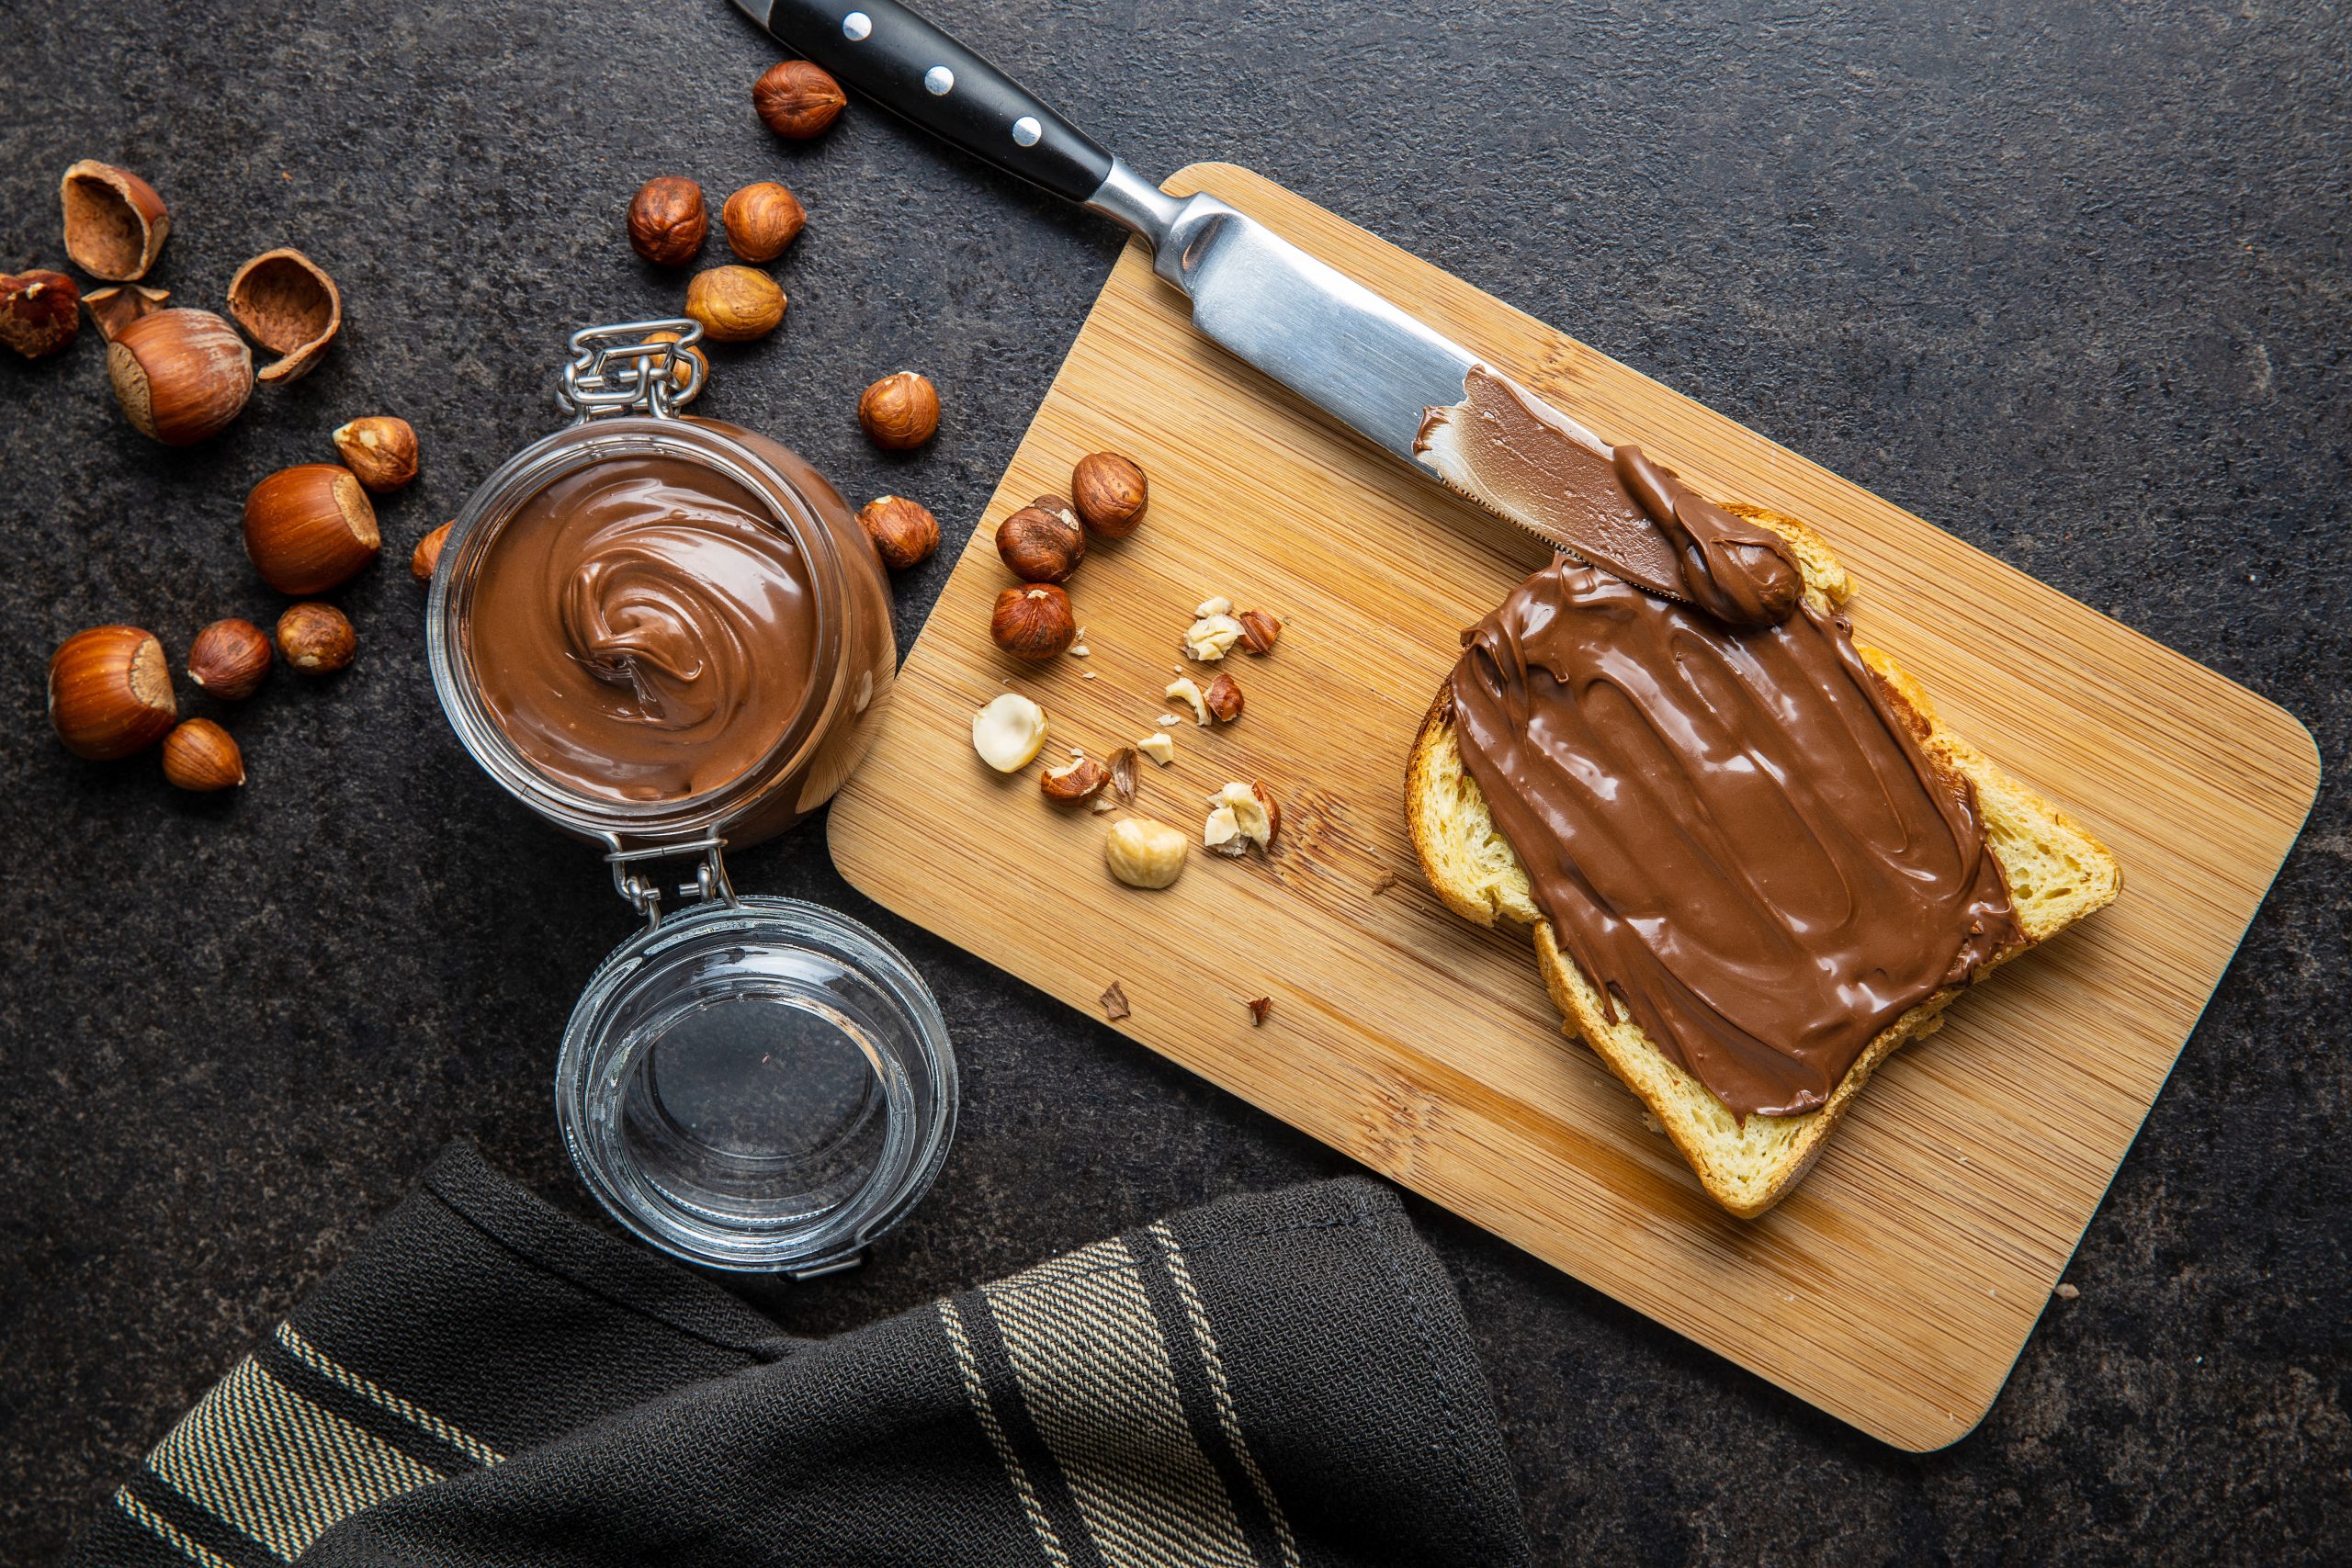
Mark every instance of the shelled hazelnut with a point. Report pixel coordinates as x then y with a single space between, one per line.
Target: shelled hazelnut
427 554
229 658
1042 542
1008 731
180 375
201 758
310 527
1074 783
1110 494
904 532
1144 854
682 372
735 304
900 411
763 220
110 692
667 221
316 639
38 313
1032 622
380 449
797 99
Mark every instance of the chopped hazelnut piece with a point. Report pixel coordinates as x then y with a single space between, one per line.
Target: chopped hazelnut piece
1184 690
1160 748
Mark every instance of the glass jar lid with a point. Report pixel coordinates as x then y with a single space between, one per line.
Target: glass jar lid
757 1084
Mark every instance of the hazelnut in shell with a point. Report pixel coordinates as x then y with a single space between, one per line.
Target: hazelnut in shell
200 757
1110 494
287 304
180 375
310 528
667 221
316 639
1039 544
904 532
1033 622
735 304
798 99
110 692
38 313
380 449
427 554
763 220
229 658
900 412
115 223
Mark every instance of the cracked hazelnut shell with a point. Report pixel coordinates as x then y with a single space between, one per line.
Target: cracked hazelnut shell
115 223
110 692
39 312
900 412
798 99
667 221
310 528
1033 622
287 304
180 375
118 305
763 220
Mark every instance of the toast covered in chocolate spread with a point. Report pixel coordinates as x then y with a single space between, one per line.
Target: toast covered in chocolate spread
1748 927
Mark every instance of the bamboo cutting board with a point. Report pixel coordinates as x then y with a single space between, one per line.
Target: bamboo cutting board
1895 1287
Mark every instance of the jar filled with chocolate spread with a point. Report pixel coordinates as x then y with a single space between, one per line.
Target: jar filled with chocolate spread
668 636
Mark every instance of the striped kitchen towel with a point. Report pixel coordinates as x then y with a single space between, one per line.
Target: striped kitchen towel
1281 1381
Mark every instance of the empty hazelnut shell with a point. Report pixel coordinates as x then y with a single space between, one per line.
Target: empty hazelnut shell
287 304
115 223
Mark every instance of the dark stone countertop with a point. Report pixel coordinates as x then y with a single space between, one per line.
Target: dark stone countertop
2070 280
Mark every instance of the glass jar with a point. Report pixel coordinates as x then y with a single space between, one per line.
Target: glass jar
749 1083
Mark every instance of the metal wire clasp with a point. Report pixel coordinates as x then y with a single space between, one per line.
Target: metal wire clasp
644 894
622 368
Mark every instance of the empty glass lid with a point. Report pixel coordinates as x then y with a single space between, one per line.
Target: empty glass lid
757 1084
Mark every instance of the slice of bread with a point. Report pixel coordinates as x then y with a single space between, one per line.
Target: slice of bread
2057 873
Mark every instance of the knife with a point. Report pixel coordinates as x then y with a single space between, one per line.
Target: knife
1331 341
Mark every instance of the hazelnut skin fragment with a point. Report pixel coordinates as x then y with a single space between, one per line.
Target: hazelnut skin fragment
1033 622
310 528
316 639
1076 783
1039 544
229 658
763 220
427 554
201 758
904 532
1259 631
38 313
1110 492
667 221
797 99
1223 699
380 449
900 412
735 304
111 692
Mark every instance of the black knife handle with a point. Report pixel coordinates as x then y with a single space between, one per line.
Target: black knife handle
913 69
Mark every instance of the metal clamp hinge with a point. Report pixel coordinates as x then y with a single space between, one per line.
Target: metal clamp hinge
622 368
644 893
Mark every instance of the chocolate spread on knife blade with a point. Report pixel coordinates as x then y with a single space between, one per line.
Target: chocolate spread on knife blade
1734 833
1511 453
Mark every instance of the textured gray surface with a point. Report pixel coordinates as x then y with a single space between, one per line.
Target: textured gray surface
2070 280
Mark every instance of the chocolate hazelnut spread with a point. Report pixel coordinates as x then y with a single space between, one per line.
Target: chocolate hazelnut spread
1623 512
1735 832
643 629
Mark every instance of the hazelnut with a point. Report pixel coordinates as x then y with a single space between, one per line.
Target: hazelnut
1008 731
797 99
287 304
115 223
900 411
180 375
110 692
1144 854
316 639
735 304
116 305
200 757
684 362
1223 699
667 221
1212 637
1258 1008
1123 774
1039 544
763 220
380 449
903 531
1110 494
1032 622
1184 689
229 658
39 314
1077 782
1259 631
427 554
1159 746
310 527
1241 814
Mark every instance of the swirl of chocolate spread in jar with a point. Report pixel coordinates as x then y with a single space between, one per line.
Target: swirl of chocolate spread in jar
643 630
1627 513
1734 833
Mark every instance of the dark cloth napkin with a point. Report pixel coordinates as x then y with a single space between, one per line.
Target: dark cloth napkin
1282 1380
